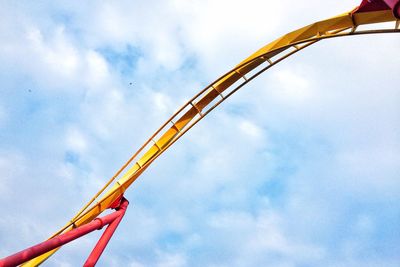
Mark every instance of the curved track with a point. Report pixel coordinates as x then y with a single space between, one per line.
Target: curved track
214 94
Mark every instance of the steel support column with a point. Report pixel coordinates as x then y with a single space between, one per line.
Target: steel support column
62 239
105 237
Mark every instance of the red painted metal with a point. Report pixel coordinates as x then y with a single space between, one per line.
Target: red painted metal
105 238
395 6
117 202
372 5
48 245
377 5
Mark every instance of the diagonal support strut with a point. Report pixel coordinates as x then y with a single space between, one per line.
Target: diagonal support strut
112 220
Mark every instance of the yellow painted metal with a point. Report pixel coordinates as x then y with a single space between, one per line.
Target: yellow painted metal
202 103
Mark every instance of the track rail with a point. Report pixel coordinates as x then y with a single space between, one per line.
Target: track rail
212 96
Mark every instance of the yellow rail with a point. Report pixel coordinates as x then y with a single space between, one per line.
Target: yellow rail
213 95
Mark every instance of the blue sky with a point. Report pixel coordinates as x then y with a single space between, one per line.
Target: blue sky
299 168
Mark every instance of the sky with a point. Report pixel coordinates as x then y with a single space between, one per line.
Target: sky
299 168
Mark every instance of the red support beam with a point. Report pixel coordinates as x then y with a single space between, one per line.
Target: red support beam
105 238
62 239
395 6
377 5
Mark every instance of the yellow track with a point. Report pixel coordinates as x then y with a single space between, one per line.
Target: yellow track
213 95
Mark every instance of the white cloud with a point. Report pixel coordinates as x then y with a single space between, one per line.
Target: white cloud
162 103
373 170
76 141
97 70
11 165
259 239
3 116
62 56
222 37
293 87
171 260
136 264
57 57
251 129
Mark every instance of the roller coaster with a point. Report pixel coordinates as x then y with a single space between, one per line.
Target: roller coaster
111 196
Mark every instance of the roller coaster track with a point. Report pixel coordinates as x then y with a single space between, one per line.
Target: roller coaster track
199 106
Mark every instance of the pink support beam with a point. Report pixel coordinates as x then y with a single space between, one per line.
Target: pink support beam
105 238
62 239
395 6
377 5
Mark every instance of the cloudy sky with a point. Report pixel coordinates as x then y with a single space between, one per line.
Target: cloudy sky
300 168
